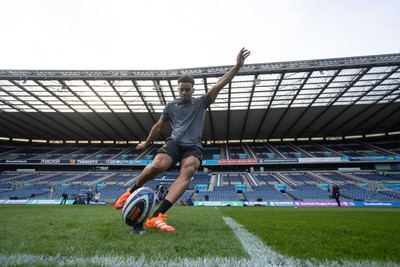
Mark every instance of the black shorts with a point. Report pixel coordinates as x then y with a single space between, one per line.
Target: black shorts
178 152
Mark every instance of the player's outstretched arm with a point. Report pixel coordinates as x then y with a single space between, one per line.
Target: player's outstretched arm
154 132
227 77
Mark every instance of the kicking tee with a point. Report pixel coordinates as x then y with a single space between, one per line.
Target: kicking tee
187 119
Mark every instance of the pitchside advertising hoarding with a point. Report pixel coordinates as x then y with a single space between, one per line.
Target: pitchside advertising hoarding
224 203
206 162
296 203
43 201
218 203
33 201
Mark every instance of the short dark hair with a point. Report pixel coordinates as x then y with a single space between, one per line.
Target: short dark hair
186 79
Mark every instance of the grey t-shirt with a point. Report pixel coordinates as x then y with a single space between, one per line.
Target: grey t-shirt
187 119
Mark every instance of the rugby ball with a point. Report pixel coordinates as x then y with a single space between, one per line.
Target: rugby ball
138 206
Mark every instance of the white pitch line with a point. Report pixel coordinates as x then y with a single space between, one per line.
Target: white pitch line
260 255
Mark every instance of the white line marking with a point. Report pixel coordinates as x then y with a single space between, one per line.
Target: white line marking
260 255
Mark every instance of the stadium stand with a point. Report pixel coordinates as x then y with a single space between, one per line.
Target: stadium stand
282 132
310 185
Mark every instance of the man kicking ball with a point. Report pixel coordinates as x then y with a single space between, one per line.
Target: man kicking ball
186 117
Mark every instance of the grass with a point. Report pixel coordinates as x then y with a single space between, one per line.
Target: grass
325 233
99 230
305 233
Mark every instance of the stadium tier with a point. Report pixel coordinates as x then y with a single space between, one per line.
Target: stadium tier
282 131
46 171
356 150
304 186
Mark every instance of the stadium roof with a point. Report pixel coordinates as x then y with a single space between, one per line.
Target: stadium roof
321 98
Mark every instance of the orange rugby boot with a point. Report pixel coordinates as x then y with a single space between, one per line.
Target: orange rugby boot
119 204
159 223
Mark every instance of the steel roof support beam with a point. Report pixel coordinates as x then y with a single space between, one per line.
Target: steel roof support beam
291 102
269 106
112 111
209 110
248 106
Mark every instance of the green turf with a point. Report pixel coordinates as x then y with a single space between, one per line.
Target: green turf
99 230
325 233
321 233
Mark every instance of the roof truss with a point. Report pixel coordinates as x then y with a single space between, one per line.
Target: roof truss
298 99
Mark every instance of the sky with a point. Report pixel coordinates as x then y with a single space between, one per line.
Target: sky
172 34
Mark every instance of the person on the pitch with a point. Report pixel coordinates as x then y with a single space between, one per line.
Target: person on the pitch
336 193
186 117
64 198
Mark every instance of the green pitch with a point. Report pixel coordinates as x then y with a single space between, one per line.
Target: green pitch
48 234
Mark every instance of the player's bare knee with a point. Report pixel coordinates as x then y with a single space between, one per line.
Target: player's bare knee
157 168
188 172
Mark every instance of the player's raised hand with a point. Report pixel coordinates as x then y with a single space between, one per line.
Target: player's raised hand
243 54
